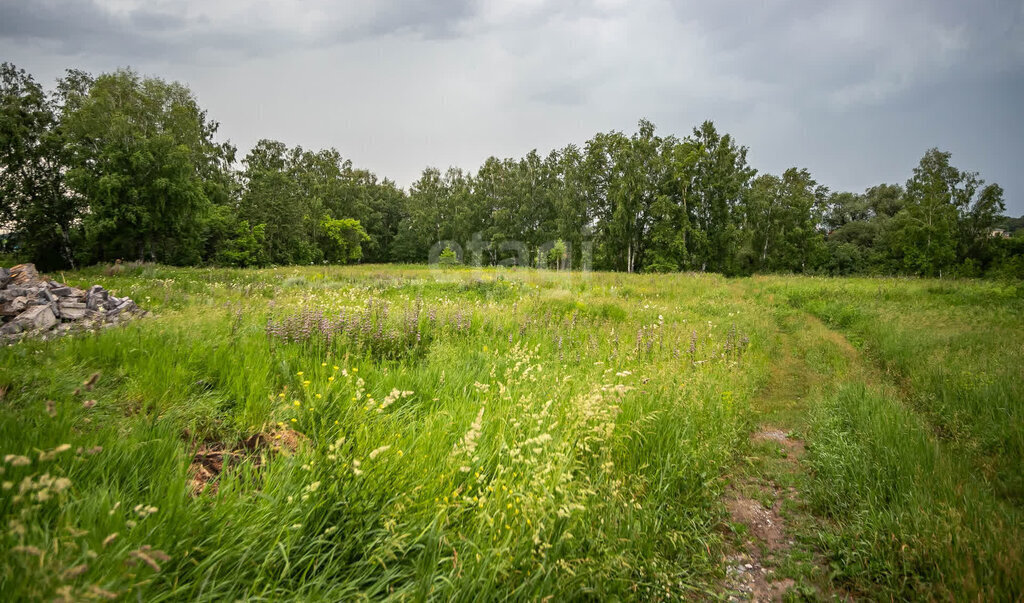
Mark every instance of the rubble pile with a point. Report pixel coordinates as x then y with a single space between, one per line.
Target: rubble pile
29 304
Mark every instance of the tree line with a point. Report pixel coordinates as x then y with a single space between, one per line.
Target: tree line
121 166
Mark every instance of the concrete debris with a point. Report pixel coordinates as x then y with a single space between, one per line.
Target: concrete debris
30 304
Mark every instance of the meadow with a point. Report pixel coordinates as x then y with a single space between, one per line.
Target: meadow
416 433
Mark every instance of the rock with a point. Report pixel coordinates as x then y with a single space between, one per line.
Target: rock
37 317
12 292
96 297
126 305
29 304
45 296
11 328
14 306
70 310
24 274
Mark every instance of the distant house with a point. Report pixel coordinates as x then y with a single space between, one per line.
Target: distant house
999 233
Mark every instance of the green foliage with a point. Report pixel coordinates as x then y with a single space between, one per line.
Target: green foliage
344 238
246 248
123 166
140 148
558 256
448 257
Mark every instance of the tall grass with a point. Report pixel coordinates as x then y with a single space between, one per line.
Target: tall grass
908 517
551 438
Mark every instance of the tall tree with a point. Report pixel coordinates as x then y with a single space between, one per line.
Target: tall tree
719 178
35 204
140 151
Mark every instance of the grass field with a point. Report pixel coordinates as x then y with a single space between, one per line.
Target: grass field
382 432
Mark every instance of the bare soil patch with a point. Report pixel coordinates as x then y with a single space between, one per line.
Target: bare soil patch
212 458
750 573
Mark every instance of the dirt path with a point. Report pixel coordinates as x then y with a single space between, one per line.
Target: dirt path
751 570
763 499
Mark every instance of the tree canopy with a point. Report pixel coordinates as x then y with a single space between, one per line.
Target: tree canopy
125 166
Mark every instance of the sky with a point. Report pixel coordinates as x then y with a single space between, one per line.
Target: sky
855 92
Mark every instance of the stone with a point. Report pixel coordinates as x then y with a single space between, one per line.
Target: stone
37 317
24 274
11 328
70 310
12 292
96 297
49 309
126 305
14 307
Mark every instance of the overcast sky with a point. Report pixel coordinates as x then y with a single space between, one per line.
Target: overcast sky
853 91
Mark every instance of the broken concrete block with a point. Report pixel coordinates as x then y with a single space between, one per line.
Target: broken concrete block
37 318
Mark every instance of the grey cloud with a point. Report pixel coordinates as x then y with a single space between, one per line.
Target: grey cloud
854 91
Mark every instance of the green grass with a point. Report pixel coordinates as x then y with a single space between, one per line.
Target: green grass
560 439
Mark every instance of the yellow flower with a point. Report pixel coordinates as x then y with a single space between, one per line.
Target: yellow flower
330 378
335 368
335 422
299 373
306 383
318 396
485 349
294 420
323 364
297 403
355 370
280 395
400 453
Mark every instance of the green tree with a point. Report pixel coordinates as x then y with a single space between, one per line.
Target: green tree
140 148
558 256
247 246
35 204
343 240
719 178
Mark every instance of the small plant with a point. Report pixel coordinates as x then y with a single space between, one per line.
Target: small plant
448 257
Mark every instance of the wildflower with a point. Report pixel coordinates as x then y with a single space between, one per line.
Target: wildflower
355 369
318 396
323 364
335 368
297 403
331 378
294 420
306 383
280 395
299 373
